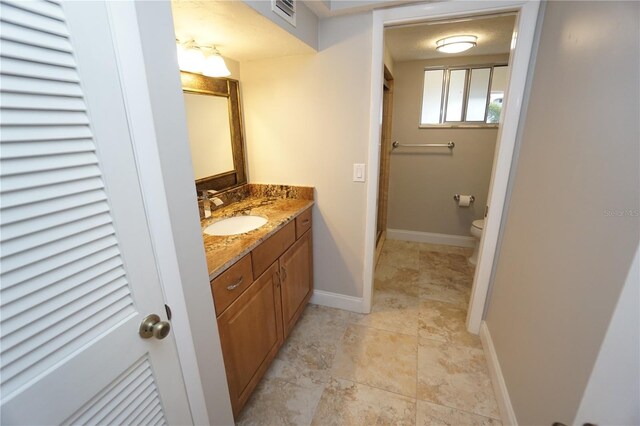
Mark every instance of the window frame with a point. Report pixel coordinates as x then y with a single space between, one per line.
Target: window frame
465 97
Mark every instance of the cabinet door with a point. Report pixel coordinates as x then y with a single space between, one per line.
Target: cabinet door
296 272
251 334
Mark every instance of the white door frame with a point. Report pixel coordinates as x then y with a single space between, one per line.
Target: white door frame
519 63
127 46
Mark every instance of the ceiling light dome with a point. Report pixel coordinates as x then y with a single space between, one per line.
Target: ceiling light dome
456 44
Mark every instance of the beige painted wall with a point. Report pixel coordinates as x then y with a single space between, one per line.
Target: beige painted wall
234 67
424 180
388 59
569 240
307 122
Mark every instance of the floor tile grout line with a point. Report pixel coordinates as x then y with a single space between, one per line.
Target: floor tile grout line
373 386
458 409
388 331
376 387
457 345
315 410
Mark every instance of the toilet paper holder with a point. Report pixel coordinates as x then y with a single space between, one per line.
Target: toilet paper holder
457 198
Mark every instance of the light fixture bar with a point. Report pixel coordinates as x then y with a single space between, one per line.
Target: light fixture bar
192 58
456 44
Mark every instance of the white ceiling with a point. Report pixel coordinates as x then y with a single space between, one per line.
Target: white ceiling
239 32
418 41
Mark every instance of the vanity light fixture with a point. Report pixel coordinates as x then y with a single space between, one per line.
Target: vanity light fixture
192 58
456 44
214 65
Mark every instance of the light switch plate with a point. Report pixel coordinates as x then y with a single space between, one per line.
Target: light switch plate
358 172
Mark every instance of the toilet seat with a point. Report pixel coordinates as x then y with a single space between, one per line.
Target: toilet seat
479 224
476 231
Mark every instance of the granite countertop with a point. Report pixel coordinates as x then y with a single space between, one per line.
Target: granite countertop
279 204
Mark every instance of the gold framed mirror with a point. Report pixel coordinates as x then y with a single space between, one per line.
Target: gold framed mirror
214 121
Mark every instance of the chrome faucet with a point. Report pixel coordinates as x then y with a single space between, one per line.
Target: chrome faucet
207 199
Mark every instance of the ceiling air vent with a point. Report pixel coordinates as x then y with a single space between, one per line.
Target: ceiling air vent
286 9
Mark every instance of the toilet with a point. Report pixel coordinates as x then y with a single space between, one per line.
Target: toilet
476 230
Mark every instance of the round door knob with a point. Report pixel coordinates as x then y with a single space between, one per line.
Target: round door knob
152 327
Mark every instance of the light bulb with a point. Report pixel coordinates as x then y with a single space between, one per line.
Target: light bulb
214 66
191 59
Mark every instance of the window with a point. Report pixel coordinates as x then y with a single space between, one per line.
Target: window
463 95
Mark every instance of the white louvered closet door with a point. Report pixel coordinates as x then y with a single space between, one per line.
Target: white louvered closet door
77 268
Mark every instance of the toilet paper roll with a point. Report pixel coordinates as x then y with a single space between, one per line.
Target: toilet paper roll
464 201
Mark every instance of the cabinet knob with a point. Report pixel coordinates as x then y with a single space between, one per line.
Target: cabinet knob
284 273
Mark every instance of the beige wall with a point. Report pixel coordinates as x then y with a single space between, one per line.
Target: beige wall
424 180
388 59
565 252
307 122
233 66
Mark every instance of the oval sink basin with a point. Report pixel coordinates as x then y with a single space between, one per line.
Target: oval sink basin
235 225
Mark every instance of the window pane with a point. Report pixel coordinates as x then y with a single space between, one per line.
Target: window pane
498 86
478 87
432 96
457 79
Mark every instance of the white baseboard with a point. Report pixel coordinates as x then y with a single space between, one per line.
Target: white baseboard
499 385
335 300
431 238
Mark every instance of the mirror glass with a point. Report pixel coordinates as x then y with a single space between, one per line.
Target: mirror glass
209 134
214 121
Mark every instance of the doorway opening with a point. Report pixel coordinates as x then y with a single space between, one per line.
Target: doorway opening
519 54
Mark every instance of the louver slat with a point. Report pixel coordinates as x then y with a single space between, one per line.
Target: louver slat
37 22
132 399
20 34
30 53
11 66
28 85
52 177
59 280
38 101
39 7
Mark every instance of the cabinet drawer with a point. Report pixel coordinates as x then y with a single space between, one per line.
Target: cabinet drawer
231 283
303 222
266 253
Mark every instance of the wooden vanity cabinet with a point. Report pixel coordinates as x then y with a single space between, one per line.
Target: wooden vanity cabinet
254 319
251 334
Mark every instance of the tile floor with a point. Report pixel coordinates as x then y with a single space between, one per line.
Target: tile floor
409 362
